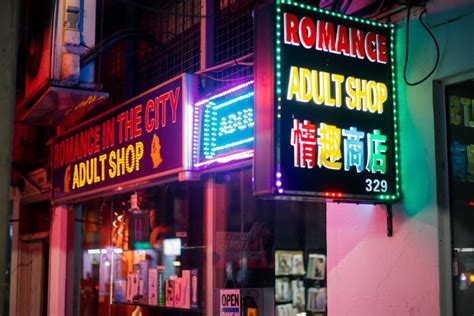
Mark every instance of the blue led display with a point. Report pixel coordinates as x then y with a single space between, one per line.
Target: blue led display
227 123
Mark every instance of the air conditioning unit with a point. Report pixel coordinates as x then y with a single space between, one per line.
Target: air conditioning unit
57 33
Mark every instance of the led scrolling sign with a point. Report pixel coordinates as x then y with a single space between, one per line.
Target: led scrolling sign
224 126
335 115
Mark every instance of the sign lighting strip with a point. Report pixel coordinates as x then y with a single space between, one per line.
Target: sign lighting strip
226 159
226 92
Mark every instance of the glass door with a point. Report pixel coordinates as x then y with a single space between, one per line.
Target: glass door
460 152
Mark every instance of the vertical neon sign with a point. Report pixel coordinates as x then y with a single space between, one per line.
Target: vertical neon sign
335 129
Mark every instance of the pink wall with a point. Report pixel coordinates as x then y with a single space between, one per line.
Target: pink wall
368 272
372 274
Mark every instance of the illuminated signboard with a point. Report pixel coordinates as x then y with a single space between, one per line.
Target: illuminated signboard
224 126
145 138
325 105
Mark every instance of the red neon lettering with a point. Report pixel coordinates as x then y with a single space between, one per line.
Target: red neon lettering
90 140
84 144
342 40
381 49
174 104
137 121
108 133
149 122
69 149
163 99
357 43
307 32
77 148
128 125
370 50
290 22
120 119
326 39
97 139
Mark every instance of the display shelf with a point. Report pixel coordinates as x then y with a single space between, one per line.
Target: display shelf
190 248
191 310
461 133
462 190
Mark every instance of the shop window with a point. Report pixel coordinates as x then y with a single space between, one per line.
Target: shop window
141 252
460 136
272 251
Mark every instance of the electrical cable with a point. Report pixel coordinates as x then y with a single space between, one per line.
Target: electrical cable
407 49
228 80
101 38
452 19
377 12
162 12
230 63
346 7
113 39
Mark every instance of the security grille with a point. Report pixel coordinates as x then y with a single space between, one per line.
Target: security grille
233 39
176 28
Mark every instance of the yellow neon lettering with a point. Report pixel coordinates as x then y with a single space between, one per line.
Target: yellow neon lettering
75 178
372 96
361 95
89 173
327 89
113 167
130 162
305 85
293 84
102 166
120 161
139 154
318 89
338 79
382 96
351 102
96 174
82 174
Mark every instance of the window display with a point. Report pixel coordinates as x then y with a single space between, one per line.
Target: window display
144 251
161 253
460 149
300 269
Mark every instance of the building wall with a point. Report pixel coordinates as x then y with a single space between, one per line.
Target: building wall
368 272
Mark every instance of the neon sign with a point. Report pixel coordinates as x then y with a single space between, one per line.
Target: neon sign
332 103
227 126
140 140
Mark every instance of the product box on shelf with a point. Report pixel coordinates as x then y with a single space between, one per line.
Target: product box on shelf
194 288
186 283
161 285
170 291
153 286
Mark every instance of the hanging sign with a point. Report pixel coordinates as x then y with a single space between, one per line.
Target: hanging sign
229 302
143 139
325 105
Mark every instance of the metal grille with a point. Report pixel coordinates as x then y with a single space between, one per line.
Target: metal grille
233 38
176 28
109 63
112 74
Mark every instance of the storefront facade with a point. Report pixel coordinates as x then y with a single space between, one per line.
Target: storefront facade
191 200
411 272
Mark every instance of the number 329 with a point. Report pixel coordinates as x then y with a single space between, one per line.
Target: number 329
375 185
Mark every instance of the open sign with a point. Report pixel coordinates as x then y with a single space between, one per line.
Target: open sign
229 302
